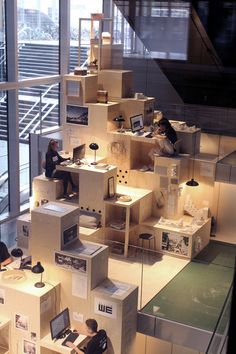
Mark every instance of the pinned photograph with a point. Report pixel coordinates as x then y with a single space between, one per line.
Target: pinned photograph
33 336
21 322
77 115
29 347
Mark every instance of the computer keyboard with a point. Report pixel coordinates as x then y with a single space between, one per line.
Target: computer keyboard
66 163
70 338
144 134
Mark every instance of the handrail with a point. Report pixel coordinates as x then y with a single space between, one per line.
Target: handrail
36 103
37 115
225 333
43 117
33 120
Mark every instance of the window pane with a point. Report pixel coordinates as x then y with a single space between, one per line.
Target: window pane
38 38
4 201
80 9
38 111
2 43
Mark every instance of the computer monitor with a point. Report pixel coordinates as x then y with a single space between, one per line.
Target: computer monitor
79 153
59 324
69 235
136 123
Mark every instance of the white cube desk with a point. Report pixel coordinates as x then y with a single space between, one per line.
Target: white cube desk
93 184
57 347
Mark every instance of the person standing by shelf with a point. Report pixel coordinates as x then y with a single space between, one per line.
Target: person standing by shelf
52 160
98 341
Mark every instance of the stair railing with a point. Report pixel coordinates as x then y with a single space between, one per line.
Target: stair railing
32 121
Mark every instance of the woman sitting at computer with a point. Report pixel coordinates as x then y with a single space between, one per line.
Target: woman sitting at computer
53 159
165 139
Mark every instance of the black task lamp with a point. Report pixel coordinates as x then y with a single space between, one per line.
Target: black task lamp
192 182
38 269
94 147
120 121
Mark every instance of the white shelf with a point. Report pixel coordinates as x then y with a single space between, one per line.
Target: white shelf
131 227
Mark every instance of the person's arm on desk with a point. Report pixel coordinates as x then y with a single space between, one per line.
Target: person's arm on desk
72 346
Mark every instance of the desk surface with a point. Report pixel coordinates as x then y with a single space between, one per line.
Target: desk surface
134 137
85 168
186 229
135 193
47 342
24 280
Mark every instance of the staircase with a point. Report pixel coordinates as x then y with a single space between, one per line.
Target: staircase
37 60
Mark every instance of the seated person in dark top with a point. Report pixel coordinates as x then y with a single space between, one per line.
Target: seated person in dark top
166 137
98 341
53 159
5 257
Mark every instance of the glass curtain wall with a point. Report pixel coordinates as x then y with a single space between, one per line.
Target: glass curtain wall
2 43
38 56
38 38
32 29
3 155
3 118
38 108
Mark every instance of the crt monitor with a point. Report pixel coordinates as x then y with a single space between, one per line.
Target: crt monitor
136 123
79 153
59 324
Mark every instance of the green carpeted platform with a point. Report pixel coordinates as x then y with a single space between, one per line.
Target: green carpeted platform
195 297
218 253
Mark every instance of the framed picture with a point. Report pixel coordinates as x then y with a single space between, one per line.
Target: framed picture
175 243
70 263
111 187
29 347
21 322
77 115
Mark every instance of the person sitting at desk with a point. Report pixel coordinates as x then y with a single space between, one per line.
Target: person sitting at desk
53 159
5 257
98 341
166 137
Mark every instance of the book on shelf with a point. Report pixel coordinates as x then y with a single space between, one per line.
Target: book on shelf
118 225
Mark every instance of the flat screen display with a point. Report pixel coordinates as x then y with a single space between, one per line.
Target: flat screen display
136 123
78 153
59 324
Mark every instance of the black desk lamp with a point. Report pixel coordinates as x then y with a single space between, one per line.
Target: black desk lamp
38 269
94 147
120 121
192 182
